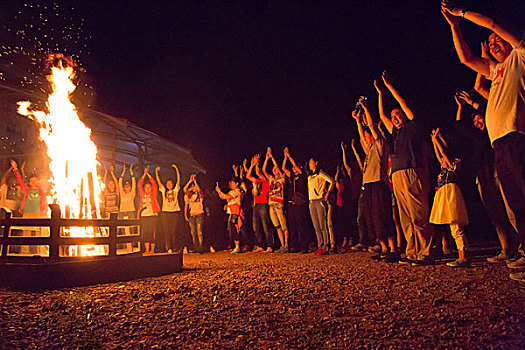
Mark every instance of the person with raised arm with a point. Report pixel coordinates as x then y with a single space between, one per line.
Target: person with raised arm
10 193
486 178
128 191
234 210
171 212
261 218
320 185
505 115
377 200
148 211
348 215
110 203
449 206
298 204
409 175
276 200
194 211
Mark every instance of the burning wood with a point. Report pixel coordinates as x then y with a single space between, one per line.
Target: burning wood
72 152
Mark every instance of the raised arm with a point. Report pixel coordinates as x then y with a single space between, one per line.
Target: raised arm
483 21
221 194
294 164
185 188
257 170
286 171
400 99
437 140
480 85
369 119
112 173
157 176
249 175
357 157
434 144
478 64
21 182
4 177
177 173
133 180
268 156
360 129
459 113
386 120
235 170
345 163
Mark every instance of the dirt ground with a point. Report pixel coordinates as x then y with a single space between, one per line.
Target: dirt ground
277 301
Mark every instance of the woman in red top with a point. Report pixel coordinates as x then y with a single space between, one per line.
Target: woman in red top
148 209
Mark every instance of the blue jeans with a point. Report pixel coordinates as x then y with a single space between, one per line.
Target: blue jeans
261 218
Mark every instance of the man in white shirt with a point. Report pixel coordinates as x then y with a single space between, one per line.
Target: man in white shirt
505 116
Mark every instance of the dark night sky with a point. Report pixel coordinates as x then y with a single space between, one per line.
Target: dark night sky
228 79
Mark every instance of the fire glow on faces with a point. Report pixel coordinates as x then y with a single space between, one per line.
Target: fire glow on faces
75 184
398 118
499 48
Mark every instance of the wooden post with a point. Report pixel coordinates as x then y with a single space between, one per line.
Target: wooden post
5 234
54 231
91 190
113 219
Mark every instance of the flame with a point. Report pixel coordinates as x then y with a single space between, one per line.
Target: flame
72 153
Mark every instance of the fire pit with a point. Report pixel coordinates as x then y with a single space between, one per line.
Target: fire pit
56 260
78 247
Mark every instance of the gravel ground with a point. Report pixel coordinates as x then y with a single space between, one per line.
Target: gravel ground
277 301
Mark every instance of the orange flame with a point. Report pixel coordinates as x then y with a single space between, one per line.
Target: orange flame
72 152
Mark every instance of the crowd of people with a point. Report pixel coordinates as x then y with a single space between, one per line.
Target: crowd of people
386 204
379 200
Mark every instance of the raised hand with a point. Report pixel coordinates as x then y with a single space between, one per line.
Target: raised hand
235 168
286 152
131 169
112 169
343 146
434 134
123 170
257 158
465 96
355 114
146 170
217 187
378 87
448 6
352 144
485 51
268 152
13 164
363 102
386 78
157 169
244 163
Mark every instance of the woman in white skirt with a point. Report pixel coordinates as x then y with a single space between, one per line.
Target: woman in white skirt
449 206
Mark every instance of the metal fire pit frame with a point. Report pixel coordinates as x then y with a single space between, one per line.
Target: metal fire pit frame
56 271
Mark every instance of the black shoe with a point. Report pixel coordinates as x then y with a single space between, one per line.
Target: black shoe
405 261
423 262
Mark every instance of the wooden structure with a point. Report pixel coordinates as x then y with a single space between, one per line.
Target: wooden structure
55 269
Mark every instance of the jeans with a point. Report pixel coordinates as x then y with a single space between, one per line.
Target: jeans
196 223
318 215
261 220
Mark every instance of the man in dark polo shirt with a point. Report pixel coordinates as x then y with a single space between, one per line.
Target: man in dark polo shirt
409 175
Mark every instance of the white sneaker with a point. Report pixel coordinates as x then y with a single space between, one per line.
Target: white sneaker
269 250
212 250
518 264
236 250
518 276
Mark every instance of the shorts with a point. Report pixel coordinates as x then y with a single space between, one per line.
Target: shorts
277 216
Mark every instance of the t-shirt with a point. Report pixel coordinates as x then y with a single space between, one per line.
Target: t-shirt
506 105
276 191
341 187
195 203
170 200
146 203
235 200
111 202
376 162
408 147
10 197
33 201
127 200
317 185
260 191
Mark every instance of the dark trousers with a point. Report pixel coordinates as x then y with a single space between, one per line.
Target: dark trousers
261 224
173 235
509 154
361 222
377 202
299 223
